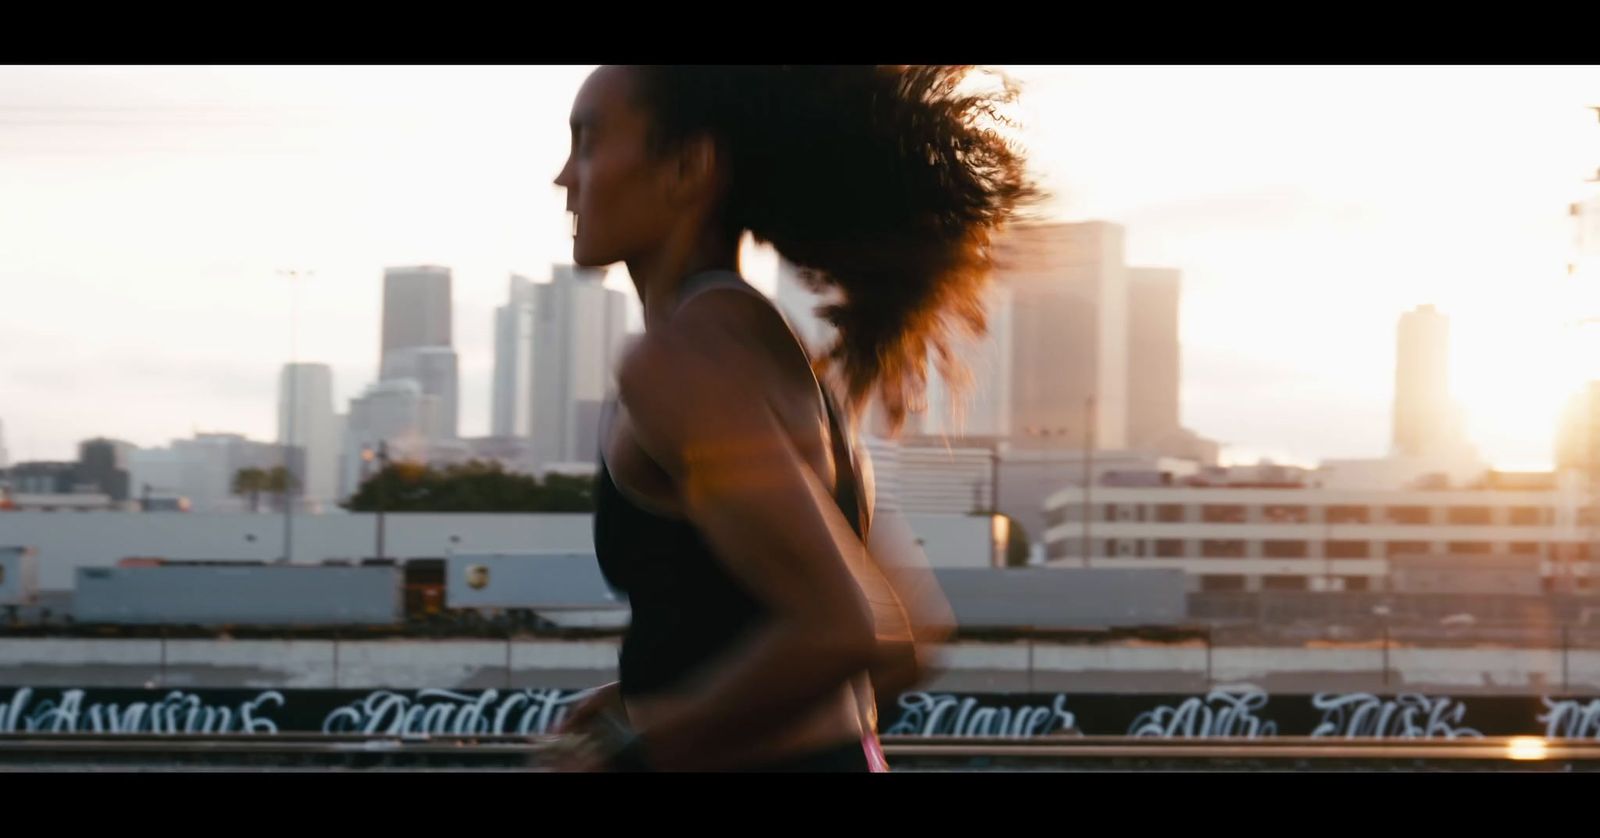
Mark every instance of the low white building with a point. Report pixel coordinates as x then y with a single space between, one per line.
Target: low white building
1314 538
201 469
934 478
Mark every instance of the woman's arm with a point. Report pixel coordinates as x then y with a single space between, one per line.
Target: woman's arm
920 618
910 611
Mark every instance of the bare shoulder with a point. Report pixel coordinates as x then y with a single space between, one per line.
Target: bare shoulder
710 340
704 373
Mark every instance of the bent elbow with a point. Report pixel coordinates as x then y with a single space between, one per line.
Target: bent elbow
901 666
858 647
851 643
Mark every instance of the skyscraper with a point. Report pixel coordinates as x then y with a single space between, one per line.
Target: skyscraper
511 412
1153 357
1586 235
437 370
1425 420
416 308
314 429
104 464
1578 435
984 409
417 338
579 332
397 413
1069 331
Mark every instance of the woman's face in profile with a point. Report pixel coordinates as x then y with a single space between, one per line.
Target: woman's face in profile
616 189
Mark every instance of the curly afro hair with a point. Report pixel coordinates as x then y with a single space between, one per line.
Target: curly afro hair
884 185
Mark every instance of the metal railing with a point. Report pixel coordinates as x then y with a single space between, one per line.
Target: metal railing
39 751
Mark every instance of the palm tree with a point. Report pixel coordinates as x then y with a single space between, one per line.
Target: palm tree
279 482
251 482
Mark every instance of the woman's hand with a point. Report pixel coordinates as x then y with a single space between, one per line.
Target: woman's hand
602 699
589 734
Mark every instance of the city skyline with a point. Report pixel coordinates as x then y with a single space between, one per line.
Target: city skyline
1300 239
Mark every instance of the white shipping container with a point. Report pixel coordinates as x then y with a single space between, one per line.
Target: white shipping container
538 581
254 595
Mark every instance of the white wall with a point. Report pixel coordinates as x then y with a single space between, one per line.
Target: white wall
67 540
954 540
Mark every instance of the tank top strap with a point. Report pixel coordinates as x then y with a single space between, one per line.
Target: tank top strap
704 281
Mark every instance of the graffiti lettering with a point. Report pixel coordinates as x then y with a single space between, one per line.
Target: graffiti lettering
1408 716
1221 713
1571 718
176 712
1243 710
451 712
929 714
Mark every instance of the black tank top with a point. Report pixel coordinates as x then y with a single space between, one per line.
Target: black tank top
687 608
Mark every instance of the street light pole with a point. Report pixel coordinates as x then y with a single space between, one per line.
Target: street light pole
1088 474
995 448
1327 557
994 504
383 465
1049 470
994 476
1382 612
1584 262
